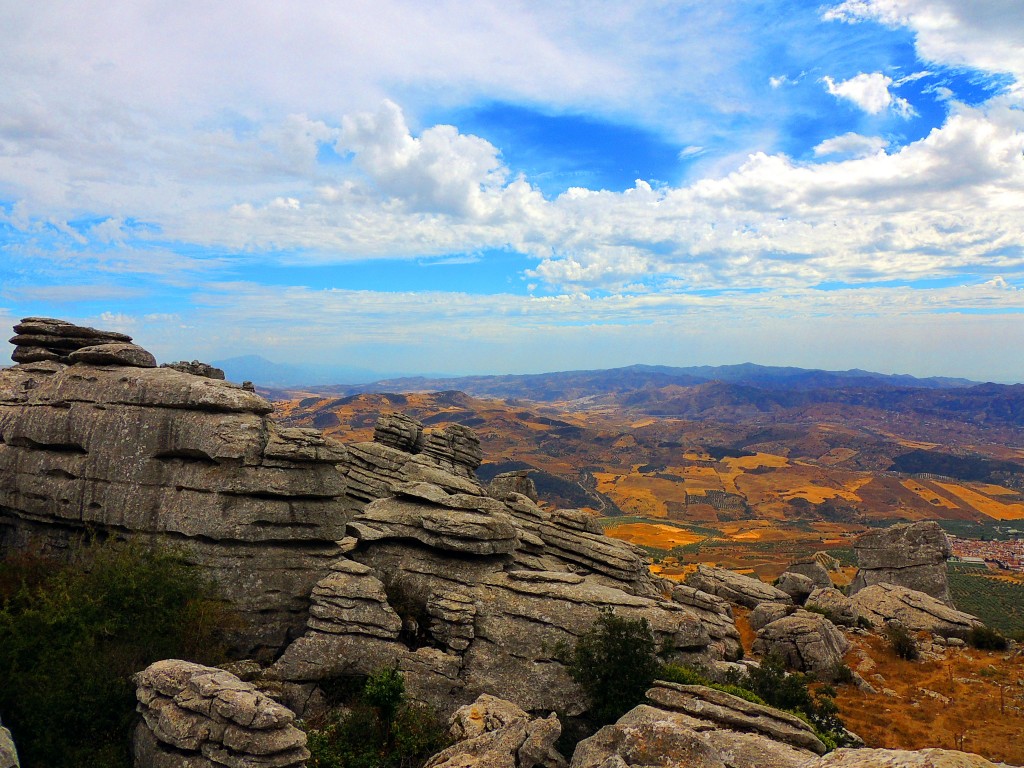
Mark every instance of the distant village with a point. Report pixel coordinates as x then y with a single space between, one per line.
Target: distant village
1005 555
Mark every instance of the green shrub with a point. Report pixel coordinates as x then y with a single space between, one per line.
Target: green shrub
987 639
614 662
381 730
675 673
901 641
72 635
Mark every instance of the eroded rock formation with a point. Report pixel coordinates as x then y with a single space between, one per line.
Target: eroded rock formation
914 610
911 555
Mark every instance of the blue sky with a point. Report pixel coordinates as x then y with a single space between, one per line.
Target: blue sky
521 187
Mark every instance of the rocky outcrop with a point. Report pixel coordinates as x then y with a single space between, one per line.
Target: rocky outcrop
701 728
517 482
41 339
814 570
805 641
796 585
735 587
196 368
766 613
900 758
834 605
200 717
911 555
167 456
493 733
914 610
716 615
8 754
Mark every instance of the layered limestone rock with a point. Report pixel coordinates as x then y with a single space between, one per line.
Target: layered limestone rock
39 339
836 606
493 733
805 641
814 570
700 728
735 587
185 460
796 585
914 610
8 754
911 555
201 717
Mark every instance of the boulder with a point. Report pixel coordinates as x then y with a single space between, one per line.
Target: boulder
196 368
916 611
796 585
39 339
766 613
814 570
493 733
900 758
8 754
115 353
805 641
201 717
513 482
735 587
911 555
834 605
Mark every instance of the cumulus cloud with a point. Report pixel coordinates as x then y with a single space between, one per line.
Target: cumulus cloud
984 34
870 92
851 145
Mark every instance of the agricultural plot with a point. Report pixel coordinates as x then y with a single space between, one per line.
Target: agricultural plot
997 602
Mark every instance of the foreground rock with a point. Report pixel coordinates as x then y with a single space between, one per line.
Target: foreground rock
805 641
8 754
735 587
493 733
698 727
911 555
900 758
199 717
834 605
914 610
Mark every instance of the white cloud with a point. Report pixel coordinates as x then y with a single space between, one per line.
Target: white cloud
851 145
984 34
870 92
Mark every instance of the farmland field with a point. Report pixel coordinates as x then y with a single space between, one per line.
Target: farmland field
997 602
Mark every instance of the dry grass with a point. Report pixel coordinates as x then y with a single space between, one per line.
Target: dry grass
995 509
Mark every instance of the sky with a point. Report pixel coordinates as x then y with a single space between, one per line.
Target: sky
516 187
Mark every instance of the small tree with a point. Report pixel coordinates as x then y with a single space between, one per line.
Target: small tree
614 662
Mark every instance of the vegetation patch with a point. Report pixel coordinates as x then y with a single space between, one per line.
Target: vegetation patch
999 604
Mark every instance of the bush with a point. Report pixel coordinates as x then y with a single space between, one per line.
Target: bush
72 635
614 662
901 641
987 639
674 673
381 730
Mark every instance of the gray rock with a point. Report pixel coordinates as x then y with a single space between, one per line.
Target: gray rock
191 714
115 353
814 570
807 642
735 587
766 613
836 606
196 368
911 555
43 338
899 758
8 754
796 585
399 431
508 483
660 742
914 610
493 733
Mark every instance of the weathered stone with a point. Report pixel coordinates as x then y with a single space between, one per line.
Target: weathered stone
814 570
807 642
735 587
493 733
766 613
796 585
399 431
911 555
834 605
914 610
117 353
650 744
899 758
196 714
8 753
507 483
196 368
731 712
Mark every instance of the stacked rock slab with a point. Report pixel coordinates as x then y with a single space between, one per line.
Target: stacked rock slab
201 717
805 641
700 728
107 445
916 611
735 587
911 555
39 339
